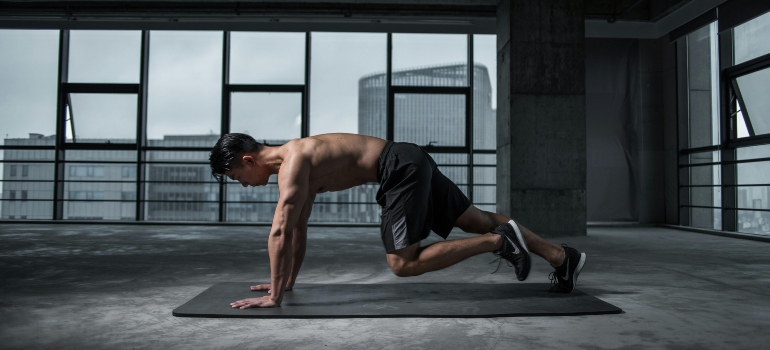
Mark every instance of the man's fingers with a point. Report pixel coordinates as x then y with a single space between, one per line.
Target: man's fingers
253 302
261 287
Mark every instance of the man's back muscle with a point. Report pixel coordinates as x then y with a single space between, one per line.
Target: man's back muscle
337 161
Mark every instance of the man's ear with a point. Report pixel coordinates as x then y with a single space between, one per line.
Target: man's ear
248 160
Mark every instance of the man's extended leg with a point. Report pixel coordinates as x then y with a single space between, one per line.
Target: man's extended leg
567 261
475 220
415 260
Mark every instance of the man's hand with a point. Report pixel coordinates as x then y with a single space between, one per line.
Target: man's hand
264 301
265 287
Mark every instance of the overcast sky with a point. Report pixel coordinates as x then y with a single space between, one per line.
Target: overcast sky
185 78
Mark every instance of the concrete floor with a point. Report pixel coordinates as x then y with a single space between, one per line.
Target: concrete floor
113 287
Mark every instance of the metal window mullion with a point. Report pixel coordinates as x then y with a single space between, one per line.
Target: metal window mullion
305 130
141 126
683 118
225 116
469 115
728 155
390 104
102 88
61 127
230 88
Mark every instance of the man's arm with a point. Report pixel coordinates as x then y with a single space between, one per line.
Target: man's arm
299 241
299 244
293 182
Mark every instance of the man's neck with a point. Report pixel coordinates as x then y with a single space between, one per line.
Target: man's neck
270 157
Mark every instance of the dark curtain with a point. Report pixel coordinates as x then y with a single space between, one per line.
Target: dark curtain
612 125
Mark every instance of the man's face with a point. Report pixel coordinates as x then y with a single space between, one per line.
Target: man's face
248 174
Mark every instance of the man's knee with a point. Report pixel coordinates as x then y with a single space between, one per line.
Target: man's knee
402 262
400 270
476 220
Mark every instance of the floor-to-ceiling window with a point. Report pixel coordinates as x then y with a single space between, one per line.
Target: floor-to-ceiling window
724 127
117 125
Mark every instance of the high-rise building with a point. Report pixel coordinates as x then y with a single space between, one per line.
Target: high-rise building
424 119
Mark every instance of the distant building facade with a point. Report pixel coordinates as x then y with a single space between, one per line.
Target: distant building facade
422 118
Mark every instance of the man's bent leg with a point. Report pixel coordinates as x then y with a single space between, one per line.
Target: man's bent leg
415 260
479 221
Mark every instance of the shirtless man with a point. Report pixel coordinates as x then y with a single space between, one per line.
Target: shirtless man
415 198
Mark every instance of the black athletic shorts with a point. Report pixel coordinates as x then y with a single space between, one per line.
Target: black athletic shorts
415 196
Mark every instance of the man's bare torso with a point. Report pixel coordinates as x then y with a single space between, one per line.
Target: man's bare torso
337 161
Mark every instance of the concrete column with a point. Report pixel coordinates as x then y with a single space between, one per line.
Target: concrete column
541 118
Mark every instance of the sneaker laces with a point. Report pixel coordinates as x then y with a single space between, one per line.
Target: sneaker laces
500 262
553 277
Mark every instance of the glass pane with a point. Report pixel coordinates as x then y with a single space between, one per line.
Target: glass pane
742 131
181 209
750 221
102 118
372 105
104 56
485 92
430 59
331 212
703 196
753 197
272 118
484 194
207 141
111 156
705 175
26 189
28 75
23 199
252 204
201 157
484 175
199 175
753 152
704 157
750 39
425 119
185 84
339 97
755 91
99 210
702 69
181 192
250 212
705 218
753 173
488 159
267 58
98 192
353 205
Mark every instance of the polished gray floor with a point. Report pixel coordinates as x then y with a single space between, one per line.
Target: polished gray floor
113 287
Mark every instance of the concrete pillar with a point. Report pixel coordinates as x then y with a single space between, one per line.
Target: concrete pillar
541 118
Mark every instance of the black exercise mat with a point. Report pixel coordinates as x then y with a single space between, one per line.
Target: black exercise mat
398 300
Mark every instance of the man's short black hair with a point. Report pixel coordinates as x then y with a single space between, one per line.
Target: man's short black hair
229 147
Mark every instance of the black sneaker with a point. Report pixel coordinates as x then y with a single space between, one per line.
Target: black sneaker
514 249
564 278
